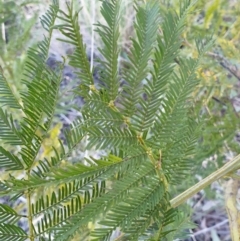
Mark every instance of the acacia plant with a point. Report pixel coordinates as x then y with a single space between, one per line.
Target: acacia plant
148 127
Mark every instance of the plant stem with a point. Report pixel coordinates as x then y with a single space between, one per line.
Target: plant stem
231 190
30 220
225 170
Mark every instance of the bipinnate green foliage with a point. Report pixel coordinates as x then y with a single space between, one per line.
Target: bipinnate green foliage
148 129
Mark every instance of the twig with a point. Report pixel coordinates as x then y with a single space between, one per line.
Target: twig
231 190
225 170
222 61
209 229
226 64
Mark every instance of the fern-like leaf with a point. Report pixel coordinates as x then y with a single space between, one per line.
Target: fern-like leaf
71 30
7 98
8 215
122 214
146 27
166 51
9 133
11 232
9 161
109 34
148 131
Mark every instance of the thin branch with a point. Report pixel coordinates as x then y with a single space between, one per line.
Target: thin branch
209 228
231 191
222 61
229 167
226 64
30 216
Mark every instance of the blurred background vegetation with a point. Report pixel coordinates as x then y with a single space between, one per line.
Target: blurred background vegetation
217 98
